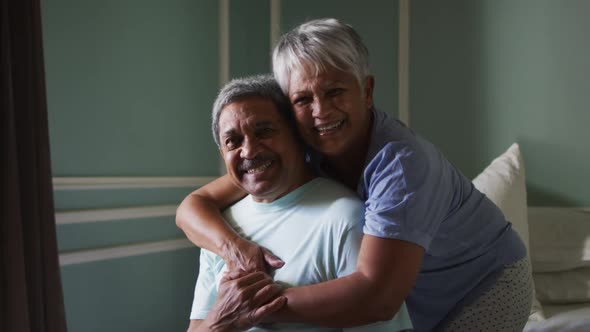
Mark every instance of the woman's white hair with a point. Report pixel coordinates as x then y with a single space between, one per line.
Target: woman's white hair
315 45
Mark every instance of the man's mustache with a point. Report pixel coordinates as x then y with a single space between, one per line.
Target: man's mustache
257 161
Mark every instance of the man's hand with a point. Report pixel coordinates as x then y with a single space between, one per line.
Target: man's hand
244 300
247 256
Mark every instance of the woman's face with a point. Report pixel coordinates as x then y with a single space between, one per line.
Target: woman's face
331 109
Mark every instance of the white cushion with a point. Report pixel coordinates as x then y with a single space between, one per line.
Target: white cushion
576 320
503 182
560 238
571 286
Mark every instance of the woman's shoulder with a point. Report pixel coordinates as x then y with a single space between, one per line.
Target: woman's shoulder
399 156
391 139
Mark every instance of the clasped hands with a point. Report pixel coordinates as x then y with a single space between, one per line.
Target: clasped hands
247 294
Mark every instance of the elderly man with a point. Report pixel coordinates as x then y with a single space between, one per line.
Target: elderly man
312 223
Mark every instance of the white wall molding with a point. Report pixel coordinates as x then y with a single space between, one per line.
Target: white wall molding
99 215
582 209
94 255
224 55
93 183
224 44
403 64
275 23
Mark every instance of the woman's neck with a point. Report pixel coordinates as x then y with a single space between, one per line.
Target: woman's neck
347 166
345 170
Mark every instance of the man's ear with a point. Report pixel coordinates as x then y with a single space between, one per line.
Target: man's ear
368 90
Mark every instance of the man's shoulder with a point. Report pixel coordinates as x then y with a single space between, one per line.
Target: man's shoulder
336 201
330 191
319 196
243 204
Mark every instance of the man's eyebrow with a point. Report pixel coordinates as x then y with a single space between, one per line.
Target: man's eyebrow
229 132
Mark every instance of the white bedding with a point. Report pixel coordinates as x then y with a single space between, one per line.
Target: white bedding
560 255
563 318
558 241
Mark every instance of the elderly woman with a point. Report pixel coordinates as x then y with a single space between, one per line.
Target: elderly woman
430 237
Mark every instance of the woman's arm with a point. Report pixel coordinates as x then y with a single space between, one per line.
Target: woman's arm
199 217
386 272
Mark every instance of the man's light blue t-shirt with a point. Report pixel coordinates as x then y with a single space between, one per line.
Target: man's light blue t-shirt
316 229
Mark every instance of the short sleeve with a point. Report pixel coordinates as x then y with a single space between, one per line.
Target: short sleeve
407 196
206 287
349 240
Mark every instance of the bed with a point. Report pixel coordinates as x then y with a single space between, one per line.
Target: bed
558 242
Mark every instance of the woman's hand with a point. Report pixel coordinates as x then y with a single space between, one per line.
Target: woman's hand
242 255
244 300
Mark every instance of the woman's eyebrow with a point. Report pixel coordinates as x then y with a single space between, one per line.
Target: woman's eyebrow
265 123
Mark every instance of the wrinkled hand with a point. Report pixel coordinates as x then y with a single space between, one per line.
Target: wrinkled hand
247 256
244 300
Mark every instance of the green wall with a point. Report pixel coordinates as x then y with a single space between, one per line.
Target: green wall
130 86
143 293
249 24
484 74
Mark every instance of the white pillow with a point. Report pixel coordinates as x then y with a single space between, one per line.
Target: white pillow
560 238
563 287
503 182
565 321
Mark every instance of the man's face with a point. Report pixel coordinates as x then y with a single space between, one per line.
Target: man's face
260 151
